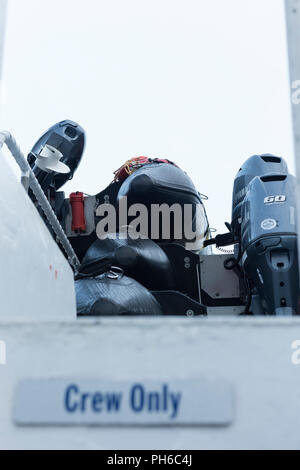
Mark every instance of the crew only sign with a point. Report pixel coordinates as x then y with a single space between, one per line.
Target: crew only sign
139 400
67 402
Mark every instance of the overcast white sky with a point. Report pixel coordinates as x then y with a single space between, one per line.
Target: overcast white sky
202 83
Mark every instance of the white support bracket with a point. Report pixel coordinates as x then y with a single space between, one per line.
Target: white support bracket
3 8
292 8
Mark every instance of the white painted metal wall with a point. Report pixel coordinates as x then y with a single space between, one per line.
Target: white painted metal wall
253 354
36 282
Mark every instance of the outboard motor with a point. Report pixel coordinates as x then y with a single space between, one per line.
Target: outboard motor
56 155
269 242
264 231
257 165
54 159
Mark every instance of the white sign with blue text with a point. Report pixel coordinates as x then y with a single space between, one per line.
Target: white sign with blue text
67 402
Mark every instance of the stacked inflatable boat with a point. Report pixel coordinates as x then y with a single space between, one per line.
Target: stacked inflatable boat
137 240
